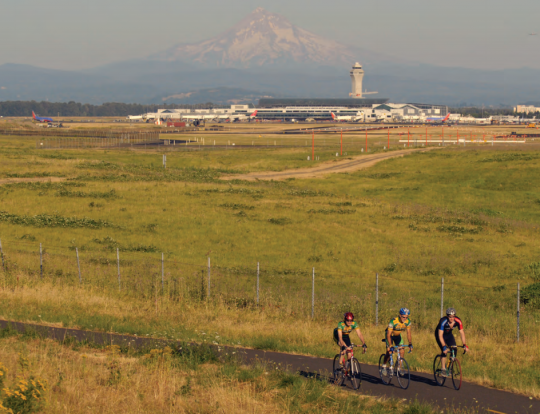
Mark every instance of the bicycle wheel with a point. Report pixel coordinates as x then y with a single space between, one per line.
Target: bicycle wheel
403 374
437 371
385 373
455 369
337 371
355 374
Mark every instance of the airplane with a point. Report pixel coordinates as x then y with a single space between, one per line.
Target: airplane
359 116
41 119
533 34
440 119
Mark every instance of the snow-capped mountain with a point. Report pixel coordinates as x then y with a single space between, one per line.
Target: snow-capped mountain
260 39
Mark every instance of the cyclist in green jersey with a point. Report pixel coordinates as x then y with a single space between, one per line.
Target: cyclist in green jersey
341 334
393 333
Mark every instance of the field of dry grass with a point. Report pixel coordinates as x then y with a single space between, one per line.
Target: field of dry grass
469 215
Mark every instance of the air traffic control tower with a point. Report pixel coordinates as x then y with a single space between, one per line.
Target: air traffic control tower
357 76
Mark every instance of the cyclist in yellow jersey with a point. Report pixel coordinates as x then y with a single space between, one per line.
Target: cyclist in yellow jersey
341 334
393 333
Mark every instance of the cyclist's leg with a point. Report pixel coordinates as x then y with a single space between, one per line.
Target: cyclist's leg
336 340
387 354
347 341
402 350
443 356
450 341
394 340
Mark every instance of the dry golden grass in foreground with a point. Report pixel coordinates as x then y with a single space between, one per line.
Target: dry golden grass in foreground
217 322
90 380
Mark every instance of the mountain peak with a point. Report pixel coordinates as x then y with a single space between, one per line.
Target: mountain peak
260 39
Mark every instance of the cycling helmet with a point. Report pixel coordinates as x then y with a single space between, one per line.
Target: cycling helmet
348 316
404 311
450 311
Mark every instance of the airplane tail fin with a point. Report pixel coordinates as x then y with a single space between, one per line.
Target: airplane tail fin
333 115
446 118
33 115
254 113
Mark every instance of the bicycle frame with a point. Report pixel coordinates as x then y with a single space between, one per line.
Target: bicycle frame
452 366
349 369
397 366
398 348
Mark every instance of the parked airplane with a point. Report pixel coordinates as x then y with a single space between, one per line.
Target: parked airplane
440 119
353 118
41 119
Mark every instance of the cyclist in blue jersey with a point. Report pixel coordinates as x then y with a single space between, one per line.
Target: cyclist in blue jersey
393 332
445 338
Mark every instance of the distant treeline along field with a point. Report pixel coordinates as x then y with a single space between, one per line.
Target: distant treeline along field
25 108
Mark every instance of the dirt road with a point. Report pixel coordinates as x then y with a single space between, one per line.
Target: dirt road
422 386
349 165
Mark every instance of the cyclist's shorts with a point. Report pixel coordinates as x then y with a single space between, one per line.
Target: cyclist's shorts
345 338
449 339
396 341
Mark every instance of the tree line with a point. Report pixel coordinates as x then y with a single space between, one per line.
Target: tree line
479 112
25 108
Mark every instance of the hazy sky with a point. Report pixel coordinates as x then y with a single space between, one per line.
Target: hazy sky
73 34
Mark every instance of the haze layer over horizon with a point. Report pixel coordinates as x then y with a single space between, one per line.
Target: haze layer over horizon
69 35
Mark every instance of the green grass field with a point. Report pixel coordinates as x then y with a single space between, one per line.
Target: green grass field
468 215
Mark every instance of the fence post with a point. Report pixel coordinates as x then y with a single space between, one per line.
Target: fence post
518 312
209 277
78 264
162 275
377 300
2 254
313 294
118 266
442 295
40 260
258 283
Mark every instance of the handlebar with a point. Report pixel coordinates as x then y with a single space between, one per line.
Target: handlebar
354 346
400 347
459 346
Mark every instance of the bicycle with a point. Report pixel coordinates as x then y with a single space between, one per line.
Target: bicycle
400 368
351 369
453 366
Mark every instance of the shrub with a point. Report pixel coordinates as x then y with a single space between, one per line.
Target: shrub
530 295
94 194
54 220
535 270
279 221
26 397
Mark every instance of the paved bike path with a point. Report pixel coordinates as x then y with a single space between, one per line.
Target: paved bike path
422 386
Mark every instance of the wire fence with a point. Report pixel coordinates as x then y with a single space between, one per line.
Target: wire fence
322 294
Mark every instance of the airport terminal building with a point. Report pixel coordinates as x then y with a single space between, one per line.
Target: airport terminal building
290 110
